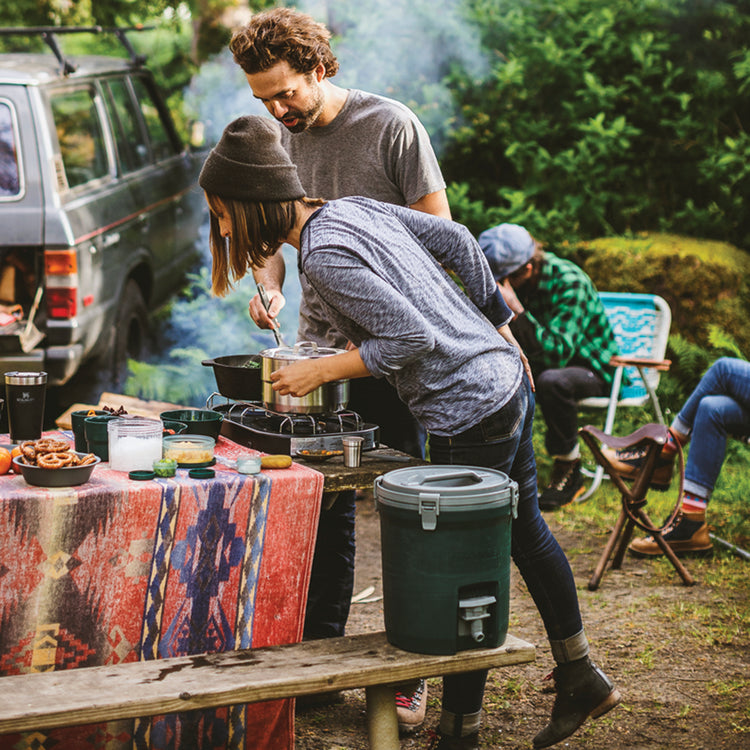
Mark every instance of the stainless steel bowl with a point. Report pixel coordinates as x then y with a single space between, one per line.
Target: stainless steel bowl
329 397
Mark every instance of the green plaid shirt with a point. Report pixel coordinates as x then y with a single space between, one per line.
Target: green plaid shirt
570 325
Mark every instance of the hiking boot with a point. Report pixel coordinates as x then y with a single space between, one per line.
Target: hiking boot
410 708
686 535
627 463
565 485
582 690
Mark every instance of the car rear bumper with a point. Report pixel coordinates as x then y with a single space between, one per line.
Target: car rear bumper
59 362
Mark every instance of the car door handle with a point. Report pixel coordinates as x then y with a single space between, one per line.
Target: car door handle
110 239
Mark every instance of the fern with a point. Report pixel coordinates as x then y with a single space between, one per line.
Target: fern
723 342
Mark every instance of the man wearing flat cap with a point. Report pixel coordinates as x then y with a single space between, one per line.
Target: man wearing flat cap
561 325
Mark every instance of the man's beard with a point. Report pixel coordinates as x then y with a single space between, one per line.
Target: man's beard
305 119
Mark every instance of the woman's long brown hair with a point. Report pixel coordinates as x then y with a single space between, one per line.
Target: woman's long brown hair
257 230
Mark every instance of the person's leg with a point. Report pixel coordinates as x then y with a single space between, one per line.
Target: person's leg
558 393
332 578
504 442
726 377
714 419
492 443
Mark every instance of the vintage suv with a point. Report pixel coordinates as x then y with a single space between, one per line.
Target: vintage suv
99 207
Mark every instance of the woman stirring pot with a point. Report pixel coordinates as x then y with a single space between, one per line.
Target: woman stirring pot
378 270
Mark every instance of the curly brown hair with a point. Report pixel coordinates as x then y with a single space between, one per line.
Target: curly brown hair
283 34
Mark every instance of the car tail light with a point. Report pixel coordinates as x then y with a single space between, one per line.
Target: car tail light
61 274
60 263
62 303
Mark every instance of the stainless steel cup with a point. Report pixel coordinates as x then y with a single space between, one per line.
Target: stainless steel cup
352 450
24 398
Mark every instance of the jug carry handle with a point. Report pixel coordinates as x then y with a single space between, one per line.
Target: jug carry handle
465 474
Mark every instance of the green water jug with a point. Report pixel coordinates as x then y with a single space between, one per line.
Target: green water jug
445 545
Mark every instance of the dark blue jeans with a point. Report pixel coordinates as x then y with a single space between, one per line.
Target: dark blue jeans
332 577
503 441
719 406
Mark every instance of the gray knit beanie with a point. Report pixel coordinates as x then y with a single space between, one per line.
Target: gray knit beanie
249 163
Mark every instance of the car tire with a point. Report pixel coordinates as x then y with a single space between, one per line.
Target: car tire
131 332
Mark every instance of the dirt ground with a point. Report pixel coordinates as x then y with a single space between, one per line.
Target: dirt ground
681 664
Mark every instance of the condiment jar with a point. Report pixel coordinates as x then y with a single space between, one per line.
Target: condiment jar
134 443
189 450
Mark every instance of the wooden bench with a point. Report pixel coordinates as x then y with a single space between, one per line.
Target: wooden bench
147 688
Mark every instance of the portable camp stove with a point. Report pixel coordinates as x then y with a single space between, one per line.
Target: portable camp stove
252 425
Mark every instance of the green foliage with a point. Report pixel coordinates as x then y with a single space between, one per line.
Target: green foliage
705 283
197 326
612 117
82 13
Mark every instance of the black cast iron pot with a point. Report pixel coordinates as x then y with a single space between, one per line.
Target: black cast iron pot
237 376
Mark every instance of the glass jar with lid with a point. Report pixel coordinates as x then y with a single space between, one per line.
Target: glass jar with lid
134 443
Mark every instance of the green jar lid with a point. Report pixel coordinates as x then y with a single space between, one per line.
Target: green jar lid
201 473
141 474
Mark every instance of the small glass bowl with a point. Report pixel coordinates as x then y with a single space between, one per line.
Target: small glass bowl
248 464
166 467
189 451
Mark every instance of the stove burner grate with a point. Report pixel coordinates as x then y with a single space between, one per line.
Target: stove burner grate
253 425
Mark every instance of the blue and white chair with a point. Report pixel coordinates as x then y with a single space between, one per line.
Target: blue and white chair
641 325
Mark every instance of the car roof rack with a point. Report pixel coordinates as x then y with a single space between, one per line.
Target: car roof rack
49 36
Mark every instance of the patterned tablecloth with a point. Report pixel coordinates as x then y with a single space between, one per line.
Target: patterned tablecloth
119 570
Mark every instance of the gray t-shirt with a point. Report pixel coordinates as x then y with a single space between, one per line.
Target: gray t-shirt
377 271
375 147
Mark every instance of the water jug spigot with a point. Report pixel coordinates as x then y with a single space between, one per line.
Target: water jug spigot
471 613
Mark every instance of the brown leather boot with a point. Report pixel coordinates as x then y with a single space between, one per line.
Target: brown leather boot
688 535
583 691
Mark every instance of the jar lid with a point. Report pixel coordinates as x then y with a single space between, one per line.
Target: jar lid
141 474
124 424
189 441
201 473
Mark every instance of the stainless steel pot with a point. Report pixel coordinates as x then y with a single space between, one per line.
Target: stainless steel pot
329 397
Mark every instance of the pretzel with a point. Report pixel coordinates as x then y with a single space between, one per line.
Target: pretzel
54 460
89 458
50 445
28 450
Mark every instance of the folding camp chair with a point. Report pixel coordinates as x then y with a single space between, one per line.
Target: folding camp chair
641 326
633 513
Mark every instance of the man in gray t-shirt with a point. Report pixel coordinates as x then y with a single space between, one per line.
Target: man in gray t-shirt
344 143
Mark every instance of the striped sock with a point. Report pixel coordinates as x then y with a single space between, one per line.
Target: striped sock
693 504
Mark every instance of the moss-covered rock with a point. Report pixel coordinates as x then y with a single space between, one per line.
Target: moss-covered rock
705 282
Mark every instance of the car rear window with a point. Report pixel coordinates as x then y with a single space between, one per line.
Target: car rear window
10 180
79 131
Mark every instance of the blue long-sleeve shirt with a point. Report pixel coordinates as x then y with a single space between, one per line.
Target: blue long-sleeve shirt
377 270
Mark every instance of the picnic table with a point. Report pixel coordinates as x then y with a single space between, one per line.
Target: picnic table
117 571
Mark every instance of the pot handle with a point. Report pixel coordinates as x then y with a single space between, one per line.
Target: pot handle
305 345
208 362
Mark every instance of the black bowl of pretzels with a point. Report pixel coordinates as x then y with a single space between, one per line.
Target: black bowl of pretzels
52 463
